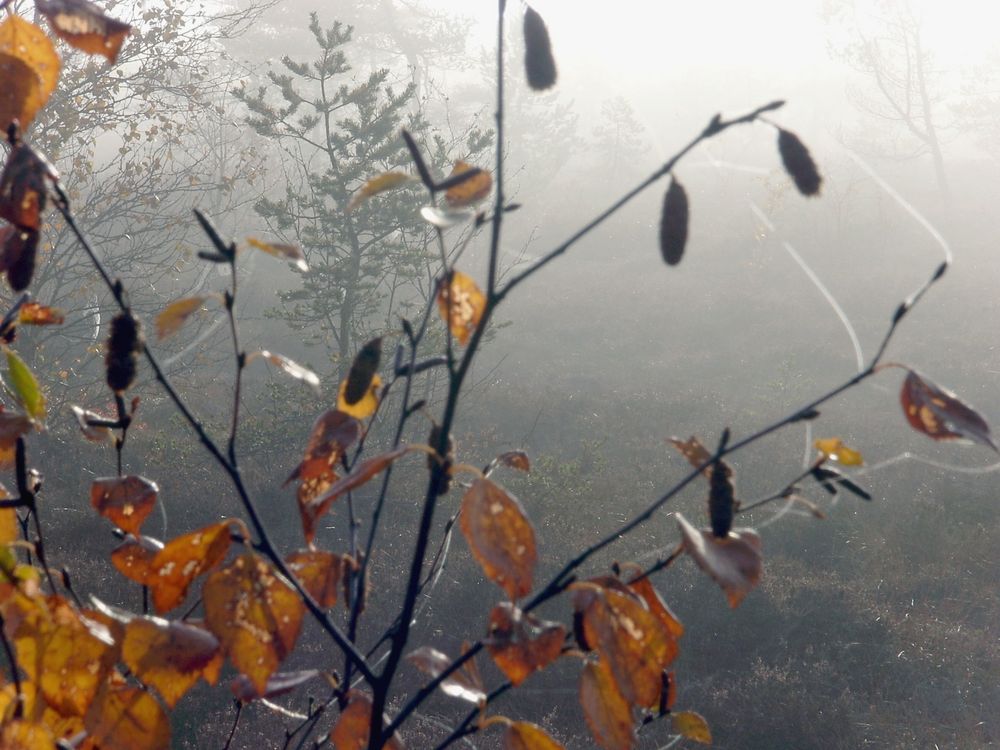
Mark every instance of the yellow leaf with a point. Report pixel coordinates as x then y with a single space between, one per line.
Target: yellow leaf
835 450
176 314
472 190
461 305
126 718
522 735
363 407
169 656
692 726
29 68
378 184
605 709
292 253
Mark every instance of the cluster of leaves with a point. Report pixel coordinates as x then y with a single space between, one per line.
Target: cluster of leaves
96 676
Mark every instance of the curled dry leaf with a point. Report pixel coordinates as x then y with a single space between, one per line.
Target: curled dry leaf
95 434
940 414
363 371
37 314
133 558
734 562
351 730
695 453
29 68
523 735
170 656
516 460
629 639
461 305
459 684
521 644
471 190
280 683
287 366
380 183
539 64
674 219
173 317
320 574
835 450
125 501
691 726
292 253
182 560
500 536
85 26
363 407
605 709
798 162
125 718
24 186
25 386
255 614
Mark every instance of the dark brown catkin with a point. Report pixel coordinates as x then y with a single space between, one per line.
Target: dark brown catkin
799 163
674 223
122 359
363 369
19 257
721 500
539 64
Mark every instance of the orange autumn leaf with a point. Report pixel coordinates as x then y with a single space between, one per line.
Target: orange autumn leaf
84 26
182 560
691 726
521 644
332 434
500 536
127 718
648 593
471 190
351 730
734 562
9 527
255 614
940 414
168 656
523 735
607 713
515 459
292 253
692 449
461 305
37 314
835 450
629 639
29 68
320 574
25 735
133 558
125 501
380 183
24 185
173 317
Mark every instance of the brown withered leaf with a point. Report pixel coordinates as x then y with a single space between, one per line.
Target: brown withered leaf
674 218
280 683
332 434
468 191
363 370
605 709
133 558
85 26
691 726
37 314
351 730
182 560
125 501
9 527
798 162
539 64
734 562
20 248
657 607
695 453
632 641
940 414
461 305
523 735
459 684
500 536
255 614
320 574
169 656
516 460
94 434
521 644
126 718
24 187
29 67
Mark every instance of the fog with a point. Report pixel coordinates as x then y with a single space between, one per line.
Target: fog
874 627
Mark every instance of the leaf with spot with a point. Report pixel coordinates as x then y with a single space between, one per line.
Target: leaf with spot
835 450
182 560
170 656
255 614
332 434
659 609
29 68
25 386
733 562
292 253
500 536
514 459
523 735
37 314
691 726
459 684
84 26
522 644
940 414
125 501
695 453
320 573
127 718
351 732
674 219
133 558
606 711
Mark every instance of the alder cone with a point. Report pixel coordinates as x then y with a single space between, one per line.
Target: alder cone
799 163
674 223
539 64
19 253
123 345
